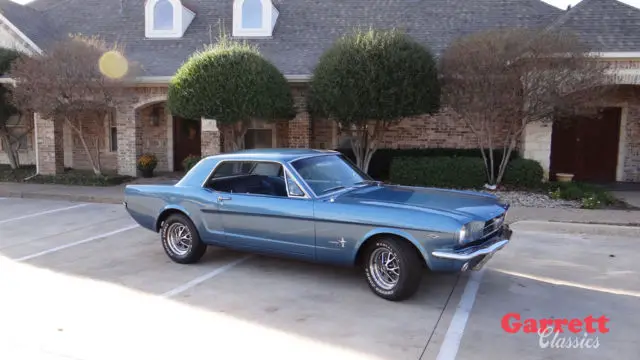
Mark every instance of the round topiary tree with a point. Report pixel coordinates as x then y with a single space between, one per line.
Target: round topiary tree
370 80
232 83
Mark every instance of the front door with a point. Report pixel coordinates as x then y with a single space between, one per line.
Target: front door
587 146
278 225
260 211
186 140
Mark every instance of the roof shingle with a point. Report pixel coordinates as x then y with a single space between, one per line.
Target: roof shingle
306 28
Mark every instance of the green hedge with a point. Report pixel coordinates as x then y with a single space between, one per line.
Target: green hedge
452 172
380 166
523 173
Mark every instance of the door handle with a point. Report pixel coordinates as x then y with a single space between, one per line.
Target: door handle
223 198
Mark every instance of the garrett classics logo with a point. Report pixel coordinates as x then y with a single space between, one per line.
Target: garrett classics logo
559 333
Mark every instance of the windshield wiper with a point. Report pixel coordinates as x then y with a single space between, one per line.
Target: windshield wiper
368 182
332 189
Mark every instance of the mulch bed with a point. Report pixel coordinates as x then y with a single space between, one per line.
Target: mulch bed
69 177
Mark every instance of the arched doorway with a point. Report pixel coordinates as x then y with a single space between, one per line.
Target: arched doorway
186 140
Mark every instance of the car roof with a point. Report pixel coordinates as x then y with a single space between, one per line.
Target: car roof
283 154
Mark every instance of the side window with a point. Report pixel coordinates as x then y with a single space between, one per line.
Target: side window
232 168
266 169
249 177
294 189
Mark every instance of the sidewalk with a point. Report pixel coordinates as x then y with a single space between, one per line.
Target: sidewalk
108 195
114 195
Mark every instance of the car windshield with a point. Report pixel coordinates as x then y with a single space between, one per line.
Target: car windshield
325 174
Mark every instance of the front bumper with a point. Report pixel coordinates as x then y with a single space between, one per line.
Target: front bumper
475 257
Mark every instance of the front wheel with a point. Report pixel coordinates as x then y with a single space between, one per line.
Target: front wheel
393 269
181 241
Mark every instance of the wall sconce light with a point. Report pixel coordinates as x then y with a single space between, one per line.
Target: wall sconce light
155 116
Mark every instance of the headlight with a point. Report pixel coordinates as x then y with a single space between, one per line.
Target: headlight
462 234
470 232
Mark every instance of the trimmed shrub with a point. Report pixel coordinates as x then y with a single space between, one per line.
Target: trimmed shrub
523 173
374 76
189 162
446 172
380 165
232 83
591 196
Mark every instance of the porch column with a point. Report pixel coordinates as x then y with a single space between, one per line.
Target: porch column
209 138
129 130
300 126
536 144
49 145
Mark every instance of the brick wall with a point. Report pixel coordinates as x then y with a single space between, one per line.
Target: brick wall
50 146
210 138
131 126
299 132
323 134
443 130
154 137
96 133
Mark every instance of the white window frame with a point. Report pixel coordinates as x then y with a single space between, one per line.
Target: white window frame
269 18
182 17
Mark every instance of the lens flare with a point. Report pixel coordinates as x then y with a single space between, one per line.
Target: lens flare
113 65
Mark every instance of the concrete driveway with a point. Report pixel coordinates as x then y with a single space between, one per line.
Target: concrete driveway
563 272
82 281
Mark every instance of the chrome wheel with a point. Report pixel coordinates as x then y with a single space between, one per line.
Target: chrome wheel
384 267
179 239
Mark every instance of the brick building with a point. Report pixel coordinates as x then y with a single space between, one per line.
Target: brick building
161 34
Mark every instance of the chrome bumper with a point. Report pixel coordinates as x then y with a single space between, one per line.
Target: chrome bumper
485 250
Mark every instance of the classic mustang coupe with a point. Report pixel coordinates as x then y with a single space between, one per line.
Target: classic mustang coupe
316 205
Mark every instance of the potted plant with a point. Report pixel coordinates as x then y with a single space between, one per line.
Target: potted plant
146 164
564 177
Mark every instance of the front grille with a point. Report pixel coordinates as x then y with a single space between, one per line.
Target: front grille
491 226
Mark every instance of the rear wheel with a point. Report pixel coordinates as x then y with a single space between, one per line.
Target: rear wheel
181 241
393 268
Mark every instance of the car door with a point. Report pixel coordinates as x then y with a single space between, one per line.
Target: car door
279 224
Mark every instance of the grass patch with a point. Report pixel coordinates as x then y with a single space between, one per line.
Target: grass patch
69 177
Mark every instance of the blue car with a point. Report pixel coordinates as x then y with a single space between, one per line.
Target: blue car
315 205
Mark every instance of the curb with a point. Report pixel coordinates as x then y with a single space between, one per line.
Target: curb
62 197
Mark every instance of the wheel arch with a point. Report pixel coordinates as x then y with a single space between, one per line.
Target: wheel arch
166 212
391 233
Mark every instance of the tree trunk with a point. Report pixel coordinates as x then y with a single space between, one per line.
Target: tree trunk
365 145
12 153
237 132
78 130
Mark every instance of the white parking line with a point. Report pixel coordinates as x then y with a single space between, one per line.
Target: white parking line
204 277
42 213
62 247
451 343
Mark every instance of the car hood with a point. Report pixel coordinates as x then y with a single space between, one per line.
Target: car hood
464 205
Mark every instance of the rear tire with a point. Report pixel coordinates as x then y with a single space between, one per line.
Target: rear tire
393 269
181 241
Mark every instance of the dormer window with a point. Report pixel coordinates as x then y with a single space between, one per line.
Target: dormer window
163 15
166 19
254 18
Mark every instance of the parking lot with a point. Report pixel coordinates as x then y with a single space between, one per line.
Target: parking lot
82 281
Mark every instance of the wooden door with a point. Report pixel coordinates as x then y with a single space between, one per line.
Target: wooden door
186 140
587 146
